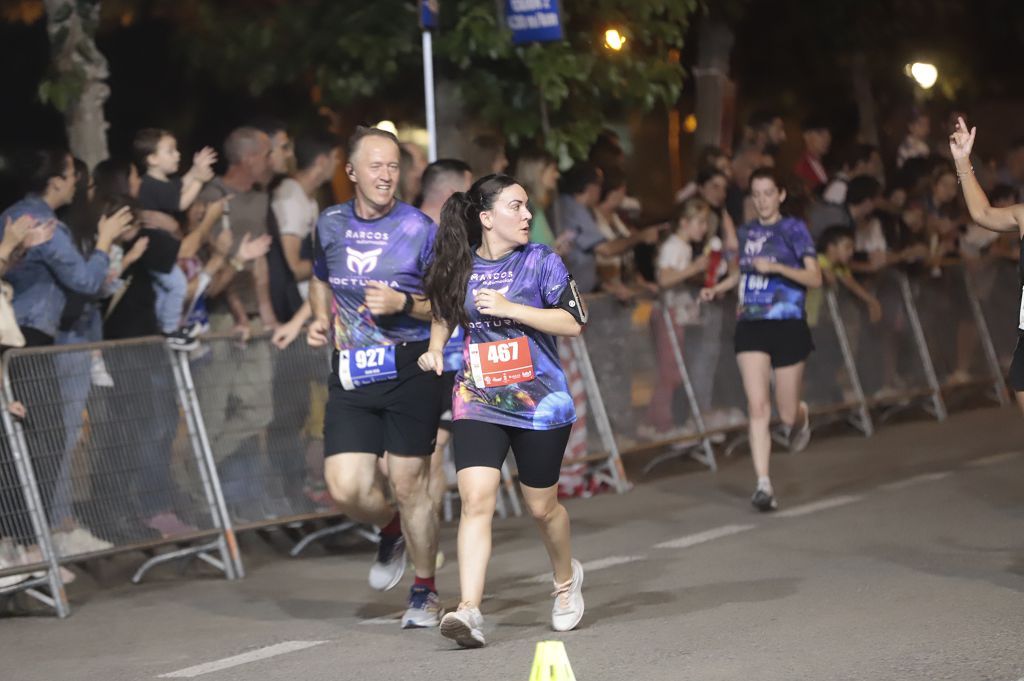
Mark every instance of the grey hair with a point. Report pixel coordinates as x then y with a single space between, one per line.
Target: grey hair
242 142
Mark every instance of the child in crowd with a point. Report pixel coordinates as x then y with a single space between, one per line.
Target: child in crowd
677 267
157 156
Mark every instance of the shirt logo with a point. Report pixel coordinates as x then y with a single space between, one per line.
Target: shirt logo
755 244
362 262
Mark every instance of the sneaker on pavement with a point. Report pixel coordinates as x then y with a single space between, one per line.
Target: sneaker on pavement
101 378
181 341
78 541
387 571
465 626
567 611
800 436
424 608
763 500
168 525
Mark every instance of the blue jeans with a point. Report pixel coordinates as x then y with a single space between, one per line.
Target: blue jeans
170 291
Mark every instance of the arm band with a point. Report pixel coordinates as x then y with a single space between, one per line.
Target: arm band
572 302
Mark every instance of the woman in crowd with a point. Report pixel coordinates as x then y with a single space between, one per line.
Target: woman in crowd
777 264
514 298
1000 219
538 173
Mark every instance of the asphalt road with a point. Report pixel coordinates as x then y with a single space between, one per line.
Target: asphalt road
895 557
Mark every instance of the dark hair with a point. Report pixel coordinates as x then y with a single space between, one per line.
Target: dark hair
483 151
707 174
112 178
308 148
80 215
862 153
606 152
361 133
439 170
862 188
579 177
833 235
814 122
767 173
269 125
1002 192
144 144
614 178
762 118
708 155
42 165
448 273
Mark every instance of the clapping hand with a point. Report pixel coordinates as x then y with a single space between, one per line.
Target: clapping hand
961 142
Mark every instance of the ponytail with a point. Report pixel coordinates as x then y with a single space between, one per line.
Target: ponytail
459 233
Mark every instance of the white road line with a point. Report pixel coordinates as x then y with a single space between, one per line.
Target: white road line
993 459
591 566
916 480
244 658
706 536
816 506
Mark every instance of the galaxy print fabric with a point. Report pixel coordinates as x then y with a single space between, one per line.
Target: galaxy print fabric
772 296
351 252
532 275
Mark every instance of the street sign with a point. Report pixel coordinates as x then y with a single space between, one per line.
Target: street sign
533 20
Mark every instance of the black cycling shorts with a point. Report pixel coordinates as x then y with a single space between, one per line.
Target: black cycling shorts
538 452
786 341
447 388
399 416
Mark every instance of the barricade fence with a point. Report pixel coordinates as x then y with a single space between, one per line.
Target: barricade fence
127 445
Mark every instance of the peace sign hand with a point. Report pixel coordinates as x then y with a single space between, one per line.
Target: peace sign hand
961 141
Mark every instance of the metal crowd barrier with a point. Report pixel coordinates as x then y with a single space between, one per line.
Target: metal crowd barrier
186 449
109 463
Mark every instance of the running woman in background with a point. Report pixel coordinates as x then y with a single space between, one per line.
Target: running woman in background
513 298
1008 219
371 254
777 264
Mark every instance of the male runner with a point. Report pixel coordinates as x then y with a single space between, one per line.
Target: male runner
371 254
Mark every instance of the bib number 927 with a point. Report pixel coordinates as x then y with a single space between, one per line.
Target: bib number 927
370 358
362 366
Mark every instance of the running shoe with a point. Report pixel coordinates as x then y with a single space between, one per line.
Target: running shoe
424 608
181 341
567 611
387 571
763 500
465 626
800 436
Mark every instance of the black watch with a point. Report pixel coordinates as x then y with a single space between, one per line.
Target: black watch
409 302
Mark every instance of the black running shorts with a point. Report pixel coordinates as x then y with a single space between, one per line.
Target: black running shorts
399 416
538 452
786 341
1017 365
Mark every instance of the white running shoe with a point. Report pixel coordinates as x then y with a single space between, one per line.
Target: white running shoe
387 571
567 611
424 609
465 626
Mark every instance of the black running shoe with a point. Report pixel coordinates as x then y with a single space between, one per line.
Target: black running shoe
181 341
764 501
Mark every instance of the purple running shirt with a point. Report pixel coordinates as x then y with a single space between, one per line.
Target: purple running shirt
531 275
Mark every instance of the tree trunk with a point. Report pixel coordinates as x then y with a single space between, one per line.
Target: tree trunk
81 72
714 48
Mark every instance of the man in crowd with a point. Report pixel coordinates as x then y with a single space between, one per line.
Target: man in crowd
581 192
810 168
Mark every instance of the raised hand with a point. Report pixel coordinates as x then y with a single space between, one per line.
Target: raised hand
961 142
251 248
113 226
202 163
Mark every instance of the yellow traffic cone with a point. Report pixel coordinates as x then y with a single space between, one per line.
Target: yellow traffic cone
551 663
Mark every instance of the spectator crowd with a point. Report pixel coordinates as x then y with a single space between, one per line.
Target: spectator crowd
151 246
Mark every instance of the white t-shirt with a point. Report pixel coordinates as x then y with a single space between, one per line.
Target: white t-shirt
296 214
677 254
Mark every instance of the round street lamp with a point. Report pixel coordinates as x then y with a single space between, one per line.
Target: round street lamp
923 73
614 40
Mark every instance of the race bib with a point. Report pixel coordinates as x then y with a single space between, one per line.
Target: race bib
756 289
364 366
501 362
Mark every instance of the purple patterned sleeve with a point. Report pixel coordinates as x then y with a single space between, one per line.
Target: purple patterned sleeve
554 278
800 239
319 256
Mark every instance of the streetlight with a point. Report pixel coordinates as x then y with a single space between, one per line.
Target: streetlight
614 40
923 73
389 126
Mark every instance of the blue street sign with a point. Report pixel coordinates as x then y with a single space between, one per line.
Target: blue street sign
428 14
533 20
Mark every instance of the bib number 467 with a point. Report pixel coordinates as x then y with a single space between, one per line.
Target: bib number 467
501 363
502 352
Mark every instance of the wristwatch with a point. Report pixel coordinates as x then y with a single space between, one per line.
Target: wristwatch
237 264
409 302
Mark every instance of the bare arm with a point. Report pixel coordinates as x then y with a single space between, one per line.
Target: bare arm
1010 219
301 269
669 277
554 321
